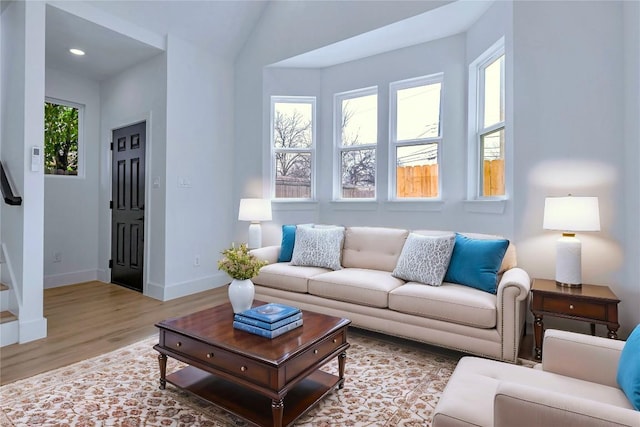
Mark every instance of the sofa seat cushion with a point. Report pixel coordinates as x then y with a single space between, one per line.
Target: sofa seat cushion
376 248
355 285
287 277
470 392
450 302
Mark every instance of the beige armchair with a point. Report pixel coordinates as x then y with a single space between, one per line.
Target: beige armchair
575 385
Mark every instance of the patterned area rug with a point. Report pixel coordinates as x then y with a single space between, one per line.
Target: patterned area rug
386 384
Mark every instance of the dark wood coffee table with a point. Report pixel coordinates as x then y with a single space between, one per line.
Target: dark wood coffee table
249 375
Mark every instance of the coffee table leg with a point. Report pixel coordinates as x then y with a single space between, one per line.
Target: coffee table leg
162 361
277 410
341 361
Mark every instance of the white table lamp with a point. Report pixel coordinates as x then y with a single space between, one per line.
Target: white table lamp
254 210
570 214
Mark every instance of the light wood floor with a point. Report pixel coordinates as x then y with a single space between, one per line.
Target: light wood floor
89 319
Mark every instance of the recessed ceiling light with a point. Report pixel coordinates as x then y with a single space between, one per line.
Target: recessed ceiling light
77 51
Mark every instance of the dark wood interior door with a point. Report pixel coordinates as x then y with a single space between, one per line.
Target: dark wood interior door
127 213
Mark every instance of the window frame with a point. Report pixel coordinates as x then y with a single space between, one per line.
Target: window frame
81 139
394 87
338 148
273 150
477 130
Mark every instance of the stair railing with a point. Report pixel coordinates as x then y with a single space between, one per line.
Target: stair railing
7 192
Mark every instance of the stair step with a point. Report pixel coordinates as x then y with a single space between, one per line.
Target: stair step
7 316
3 287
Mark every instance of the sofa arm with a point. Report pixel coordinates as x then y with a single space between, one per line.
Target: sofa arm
268 253
512 296
523 406
585 357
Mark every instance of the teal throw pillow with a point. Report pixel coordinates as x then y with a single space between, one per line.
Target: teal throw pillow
475 262
629 368
288 240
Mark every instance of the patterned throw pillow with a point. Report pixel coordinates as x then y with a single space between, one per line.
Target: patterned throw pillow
425 259
318 247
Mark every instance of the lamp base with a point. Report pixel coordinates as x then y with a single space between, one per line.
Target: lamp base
255 236
568 261
568 285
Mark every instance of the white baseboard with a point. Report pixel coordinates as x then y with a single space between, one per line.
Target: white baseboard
9 333
56 280
32 330
177 290
104 275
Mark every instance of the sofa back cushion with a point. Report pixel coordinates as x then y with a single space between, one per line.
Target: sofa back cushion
375 248
509 260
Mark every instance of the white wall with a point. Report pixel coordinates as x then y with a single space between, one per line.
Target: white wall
445 55
135 95
71 203
314 24
22 58
630 291
199 150
570 137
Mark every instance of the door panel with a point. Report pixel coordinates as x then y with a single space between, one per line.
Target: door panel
127 215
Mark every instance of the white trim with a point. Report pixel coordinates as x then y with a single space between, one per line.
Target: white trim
57 280
81 138
394 87
338 148
177 290
475 132
312 150
32 330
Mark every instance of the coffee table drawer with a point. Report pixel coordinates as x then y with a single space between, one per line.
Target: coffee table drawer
575 308
315 354
237 365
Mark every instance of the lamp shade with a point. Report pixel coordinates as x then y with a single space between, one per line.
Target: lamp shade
254 210
571 214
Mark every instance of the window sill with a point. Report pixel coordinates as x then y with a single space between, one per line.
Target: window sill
416 205
485 206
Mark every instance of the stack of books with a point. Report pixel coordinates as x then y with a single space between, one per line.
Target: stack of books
269 320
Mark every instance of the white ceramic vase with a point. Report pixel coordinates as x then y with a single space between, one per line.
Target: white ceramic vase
241 294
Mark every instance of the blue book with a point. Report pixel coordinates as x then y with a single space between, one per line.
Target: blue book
271 312
265 325
266 333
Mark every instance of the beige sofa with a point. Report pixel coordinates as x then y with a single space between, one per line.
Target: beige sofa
364 290
575 385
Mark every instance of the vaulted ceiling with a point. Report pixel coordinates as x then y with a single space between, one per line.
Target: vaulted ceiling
108 31
118 34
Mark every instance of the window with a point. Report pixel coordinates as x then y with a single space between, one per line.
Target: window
62 138
356 138
489 136
293 147
415 137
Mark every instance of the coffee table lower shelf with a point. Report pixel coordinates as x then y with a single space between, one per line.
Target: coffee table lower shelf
249 404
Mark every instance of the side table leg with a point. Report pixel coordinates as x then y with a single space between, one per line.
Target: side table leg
277 410
538 327
162 361
341 362
593 329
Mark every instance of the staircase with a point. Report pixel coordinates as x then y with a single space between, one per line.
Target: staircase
9 330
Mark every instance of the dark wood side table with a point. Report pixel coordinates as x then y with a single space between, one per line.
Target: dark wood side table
587 303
